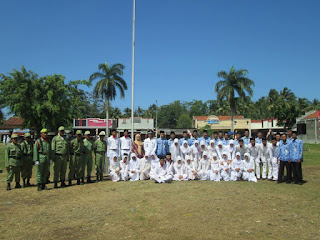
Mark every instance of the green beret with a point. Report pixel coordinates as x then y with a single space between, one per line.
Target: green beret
27 135
44 130
87 133
102 133
61 128
79 132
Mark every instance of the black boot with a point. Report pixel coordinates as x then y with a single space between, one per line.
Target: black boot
8 187
28 183
48 181
44 186
97 179
39 187
82 181
78 181
101 177
70 183
55 184
63 184
89 179
17 185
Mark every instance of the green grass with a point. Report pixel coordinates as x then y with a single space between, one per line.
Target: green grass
180 210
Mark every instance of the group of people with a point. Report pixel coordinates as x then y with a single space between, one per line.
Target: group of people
161 160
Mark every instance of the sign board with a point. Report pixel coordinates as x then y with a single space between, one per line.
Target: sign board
213 120
97 122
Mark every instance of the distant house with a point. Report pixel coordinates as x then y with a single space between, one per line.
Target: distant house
308 127
13 125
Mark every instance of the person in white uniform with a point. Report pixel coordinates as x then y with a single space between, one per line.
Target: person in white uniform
190 169
134 167
212 149
220 150
265 156
125 143
150 143
215 169
241 148
225 167
124 168
145 167
154 161
175 149
231 149
254 151
185 150
161 174
204 167
248 169
195 154
114 168
179 171
203 148
273 162
113 144
236 168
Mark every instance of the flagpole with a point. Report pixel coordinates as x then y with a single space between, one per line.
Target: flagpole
132 70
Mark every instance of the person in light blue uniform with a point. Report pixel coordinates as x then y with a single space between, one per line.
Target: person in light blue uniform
296 156
205 138
246 138
226 139
284 158
193 138
236 139
162 146
184 138
215 138
259 138
289 136
172 137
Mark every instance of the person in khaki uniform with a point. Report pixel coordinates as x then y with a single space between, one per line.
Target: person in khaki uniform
41 158
77 150
13 162
27 159
60 151
88 156
99 149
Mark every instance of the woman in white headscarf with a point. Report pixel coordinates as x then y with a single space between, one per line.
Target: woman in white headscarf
220 149
154 162
225 167
175 149
195 154
248 169
211 149
190 169
134 167
114 168
203 148
124 168
204 167
231 150
179 170
185 150
236 167
215 168
145 167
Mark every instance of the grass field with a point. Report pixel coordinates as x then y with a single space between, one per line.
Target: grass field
180 210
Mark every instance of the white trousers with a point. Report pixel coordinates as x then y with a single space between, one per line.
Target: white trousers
264 162
249 176
184 177
215 176
273 169
124 175
235 175
257 162
190 175
115 177
225 176
162 179
203 175
145 175
134 176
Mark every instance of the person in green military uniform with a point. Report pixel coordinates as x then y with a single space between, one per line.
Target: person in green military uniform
99 149
77 150
41 158
88 156
27 159
13 161
60 155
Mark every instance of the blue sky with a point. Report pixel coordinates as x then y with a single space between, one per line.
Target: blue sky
180 44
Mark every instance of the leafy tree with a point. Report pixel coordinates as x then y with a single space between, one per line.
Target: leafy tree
109 81
126 113
184 121
234 82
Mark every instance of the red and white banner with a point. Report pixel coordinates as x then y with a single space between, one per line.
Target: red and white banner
97 122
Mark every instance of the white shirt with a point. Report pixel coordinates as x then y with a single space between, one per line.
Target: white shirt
161 171
150 145
125 143
113 143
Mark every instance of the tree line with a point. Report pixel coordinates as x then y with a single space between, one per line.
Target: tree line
49 101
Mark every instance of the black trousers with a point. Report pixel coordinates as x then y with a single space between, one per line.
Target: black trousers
297 172
287 165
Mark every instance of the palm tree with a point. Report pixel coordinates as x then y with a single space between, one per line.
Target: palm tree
234 82
126 113
109 81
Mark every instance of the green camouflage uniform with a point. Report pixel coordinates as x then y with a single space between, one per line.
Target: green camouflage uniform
76 165
60 151
27 159
100 148
13 162
42 154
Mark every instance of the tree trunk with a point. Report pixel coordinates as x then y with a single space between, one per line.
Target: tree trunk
107 118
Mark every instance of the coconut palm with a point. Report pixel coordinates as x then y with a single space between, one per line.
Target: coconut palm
109 81
234 83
